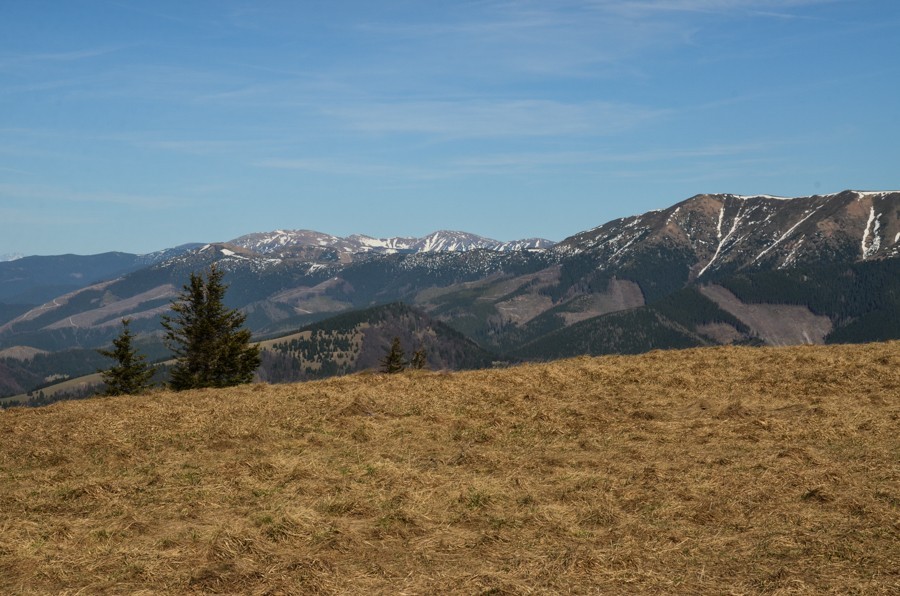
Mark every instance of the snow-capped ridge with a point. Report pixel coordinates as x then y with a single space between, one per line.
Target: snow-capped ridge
714 234
440 241
875 193
774 197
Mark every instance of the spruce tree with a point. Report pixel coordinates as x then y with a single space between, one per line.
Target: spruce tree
208 341
393 360
131 374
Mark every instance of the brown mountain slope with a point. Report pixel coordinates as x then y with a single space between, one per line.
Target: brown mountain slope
715 233
727 470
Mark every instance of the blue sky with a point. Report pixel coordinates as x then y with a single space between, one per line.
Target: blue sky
134 125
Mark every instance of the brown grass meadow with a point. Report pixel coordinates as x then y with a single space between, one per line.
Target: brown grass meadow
709 471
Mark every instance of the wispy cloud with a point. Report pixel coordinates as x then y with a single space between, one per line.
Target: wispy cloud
180 83
712 156
195 147
499 118
20 192
567 158
14 171
10 60
350 167
566 38
10 216
647 7
525 39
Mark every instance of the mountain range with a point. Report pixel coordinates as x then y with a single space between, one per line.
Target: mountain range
712 269
299 243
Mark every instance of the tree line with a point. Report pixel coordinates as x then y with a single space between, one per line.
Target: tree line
210 345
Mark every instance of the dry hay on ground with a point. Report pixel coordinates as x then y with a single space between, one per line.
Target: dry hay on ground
725 470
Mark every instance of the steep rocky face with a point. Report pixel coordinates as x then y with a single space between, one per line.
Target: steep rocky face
719 234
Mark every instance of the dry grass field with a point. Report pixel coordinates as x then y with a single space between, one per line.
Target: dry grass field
710 471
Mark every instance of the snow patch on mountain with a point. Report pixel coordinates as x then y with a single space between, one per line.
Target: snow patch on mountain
809 214
722 241
159 256
873 193
773 197
792 257
869 248
388 245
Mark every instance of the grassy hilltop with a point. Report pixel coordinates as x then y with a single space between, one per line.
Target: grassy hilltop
721 470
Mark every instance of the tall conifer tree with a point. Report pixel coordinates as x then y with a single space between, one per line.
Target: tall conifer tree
208 341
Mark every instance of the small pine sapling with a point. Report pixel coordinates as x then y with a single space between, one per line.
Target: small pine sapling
419 359
393 361
131 374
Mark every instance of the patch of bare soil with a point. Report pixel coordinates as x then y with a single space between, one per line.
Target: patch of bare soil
722 333
21 352
524 307
93 317
621 294
308 300
776 324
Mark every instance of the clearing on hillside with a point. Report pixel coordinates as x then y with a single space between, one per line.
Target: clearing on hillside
708 471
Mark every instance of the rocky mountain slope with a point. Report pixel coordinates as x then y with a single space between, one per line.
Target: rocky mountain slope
291 243
719 234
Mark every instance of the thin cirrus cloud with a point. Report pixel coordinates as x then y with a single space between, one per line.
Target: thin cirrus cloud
722 155
648 7
565 37
11 60
196 147
349 167
511 41
567 158
499 118
27 192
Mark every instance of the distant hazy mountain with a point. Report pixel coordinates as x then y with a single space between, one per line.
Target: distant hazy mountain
36 279
11 257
